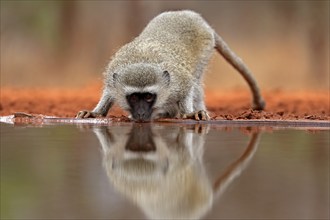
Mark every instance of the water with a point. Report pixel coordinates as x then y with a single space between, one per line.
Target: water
165 171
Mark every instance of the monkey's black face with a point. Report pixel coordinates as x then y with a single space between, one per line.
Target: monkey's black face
141 105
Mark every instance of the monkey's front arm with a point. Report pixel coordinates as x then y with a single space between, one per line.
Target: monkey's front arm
101 109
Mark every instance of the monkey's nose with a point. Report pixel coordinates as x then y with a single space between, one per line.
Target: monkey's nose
141 115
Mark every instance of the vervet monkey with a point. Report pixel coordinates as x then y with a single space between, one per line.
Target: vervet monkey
159 74
161 168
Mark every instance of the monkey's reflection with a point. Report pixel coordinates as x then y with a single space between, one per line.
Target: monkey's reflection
162 170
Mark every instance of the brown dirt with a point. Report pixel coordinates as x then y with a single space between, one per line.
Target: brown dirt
230 105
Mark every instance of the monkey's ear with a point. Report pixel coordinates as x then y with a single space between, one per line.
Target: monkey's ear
166 76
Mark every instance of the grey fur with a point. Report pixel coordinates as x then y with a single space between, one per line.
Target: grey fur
181 43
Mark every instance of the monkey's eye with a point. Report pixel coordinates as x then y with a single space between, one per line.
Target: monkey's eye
148 97
133 98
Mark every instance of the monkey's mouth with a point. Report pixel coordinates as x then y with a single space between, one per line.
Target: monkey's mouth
141 118
137 119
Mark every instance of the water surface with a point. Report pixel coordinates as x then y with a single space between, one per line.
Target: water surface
149 171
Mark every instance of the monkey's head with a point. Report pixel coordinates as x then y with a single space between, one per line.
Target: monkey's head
142 89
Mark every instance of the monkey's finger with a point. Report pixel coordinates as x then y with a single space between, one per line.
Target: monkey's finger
87 114
80 114
205 116
84 114
197 116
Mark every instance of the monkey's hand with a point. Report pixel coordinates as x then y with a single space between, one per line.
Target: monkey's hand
198 115
88 114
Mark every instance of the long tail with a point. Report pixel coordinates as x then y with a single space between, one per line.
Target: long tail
237 167
222 47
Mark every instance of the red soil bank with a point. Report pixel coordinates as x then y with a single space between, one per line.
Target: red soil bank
230 105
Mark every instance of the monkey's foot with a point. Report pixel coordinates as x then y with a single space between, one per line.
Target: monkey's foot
87 114
198 115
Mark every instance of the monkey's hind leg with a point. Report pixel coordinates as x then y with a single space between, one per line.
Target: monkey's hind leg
238 64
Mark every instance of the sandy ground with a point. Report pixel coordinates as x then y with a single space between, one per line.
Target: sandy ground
230 105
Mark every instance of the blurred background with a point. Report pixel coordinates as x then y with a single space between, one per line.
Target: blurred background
69 43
